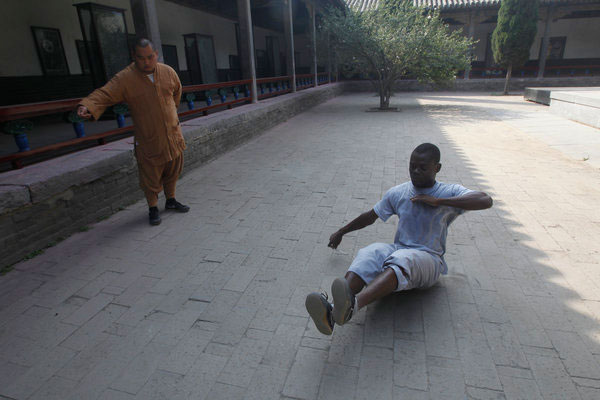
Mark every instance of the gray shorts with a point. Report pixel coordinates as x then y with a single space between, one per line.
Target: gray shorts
422 268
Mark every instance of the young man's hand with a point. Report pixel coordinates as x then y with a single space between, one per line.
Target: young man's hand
423 198
335 240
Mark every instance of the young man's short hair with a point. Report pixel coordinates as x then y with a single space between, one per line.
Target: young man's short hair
431 150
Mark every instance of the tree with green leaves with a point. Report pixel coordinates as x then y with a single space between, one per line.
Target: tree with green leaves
394 40
514 34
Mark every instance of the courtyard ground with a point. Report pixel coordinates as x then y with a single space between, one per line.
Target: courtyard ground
210 304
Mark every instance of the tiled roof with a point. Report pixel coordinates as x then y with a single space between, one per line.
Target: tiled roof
446 4
455 3
362 5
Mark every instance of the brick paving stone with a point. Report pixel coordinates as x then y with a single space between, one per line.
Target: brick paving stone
27 384
240 368
374 378
138 371
305 374
554 382
410 364
516 388
339 382
266 383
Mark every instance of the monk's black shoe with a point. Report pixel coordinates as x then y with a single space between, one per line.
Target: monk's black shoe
173 204
153 216
319 310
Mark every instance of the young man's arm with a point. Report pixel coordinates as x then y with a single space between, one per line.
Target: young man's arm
363 220
469 201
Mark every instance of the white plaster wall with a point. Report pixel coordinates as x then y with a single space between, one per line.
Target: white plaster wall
18 56
174 21
583 37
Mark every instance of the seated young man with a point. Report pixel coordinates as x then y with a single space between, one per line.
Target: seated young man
425 208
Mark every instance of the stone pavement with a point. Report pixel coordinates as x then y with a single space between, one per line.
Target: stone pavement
210 304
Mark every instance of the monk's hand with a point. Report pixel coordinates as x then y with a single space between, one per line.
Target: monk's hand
429 200
335 240
83 112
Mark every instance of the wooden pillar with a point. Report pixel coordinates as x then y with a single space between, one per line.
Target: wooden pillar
288 26
247 45
313 37
471 35
145 22
545 41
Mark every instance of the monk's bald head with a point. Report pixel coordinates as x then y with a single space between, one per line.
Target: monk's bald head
145 55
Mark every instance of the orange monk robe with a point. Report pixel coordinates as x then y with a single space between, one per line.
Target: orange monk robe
153 107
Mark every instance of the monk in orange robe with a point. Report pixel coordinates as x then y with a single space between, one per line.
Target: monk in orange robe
152 91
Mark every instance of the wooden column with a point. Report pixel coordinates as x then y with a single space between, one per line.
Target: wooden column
313 37
545 42
247 45
288 26
145 22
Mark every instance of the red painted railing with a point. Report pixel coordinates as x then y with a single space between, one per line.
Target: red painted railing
267 87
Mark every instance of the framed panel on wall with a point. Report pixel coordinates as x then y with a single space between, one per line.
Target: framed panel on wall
556 48
50 50
83 57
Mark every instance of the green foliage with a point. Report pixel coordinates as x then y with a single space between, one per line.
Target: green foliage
222 92
394 40
515 32
16 127
121 109
190 97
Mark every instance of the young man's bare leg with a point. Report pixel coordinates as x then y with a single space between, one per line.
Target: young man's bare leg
384 284
348 296
356 283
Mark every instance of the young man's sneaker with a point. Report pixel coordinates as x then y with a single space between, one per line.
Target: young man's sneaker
343 301
153 216
319 310
173 204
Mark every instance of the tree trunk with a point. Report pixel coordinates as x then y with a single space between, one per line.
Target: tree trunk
384 96
508 74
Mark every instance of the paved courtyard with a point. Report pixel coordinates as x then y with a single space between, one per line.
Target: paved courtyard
210 304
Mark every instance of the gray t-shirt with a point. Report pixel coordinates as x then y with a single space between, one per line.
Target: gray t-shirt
421 226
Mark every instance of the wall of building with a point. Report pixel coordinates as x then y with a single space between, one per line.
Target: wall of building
174 21
582 37
16 19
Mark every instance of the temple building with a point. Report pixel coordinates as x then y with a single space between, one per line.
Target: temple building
65 48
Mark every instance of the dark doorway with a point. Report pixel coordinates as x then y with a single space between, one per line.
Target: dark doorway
170 56
273 56
201 59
